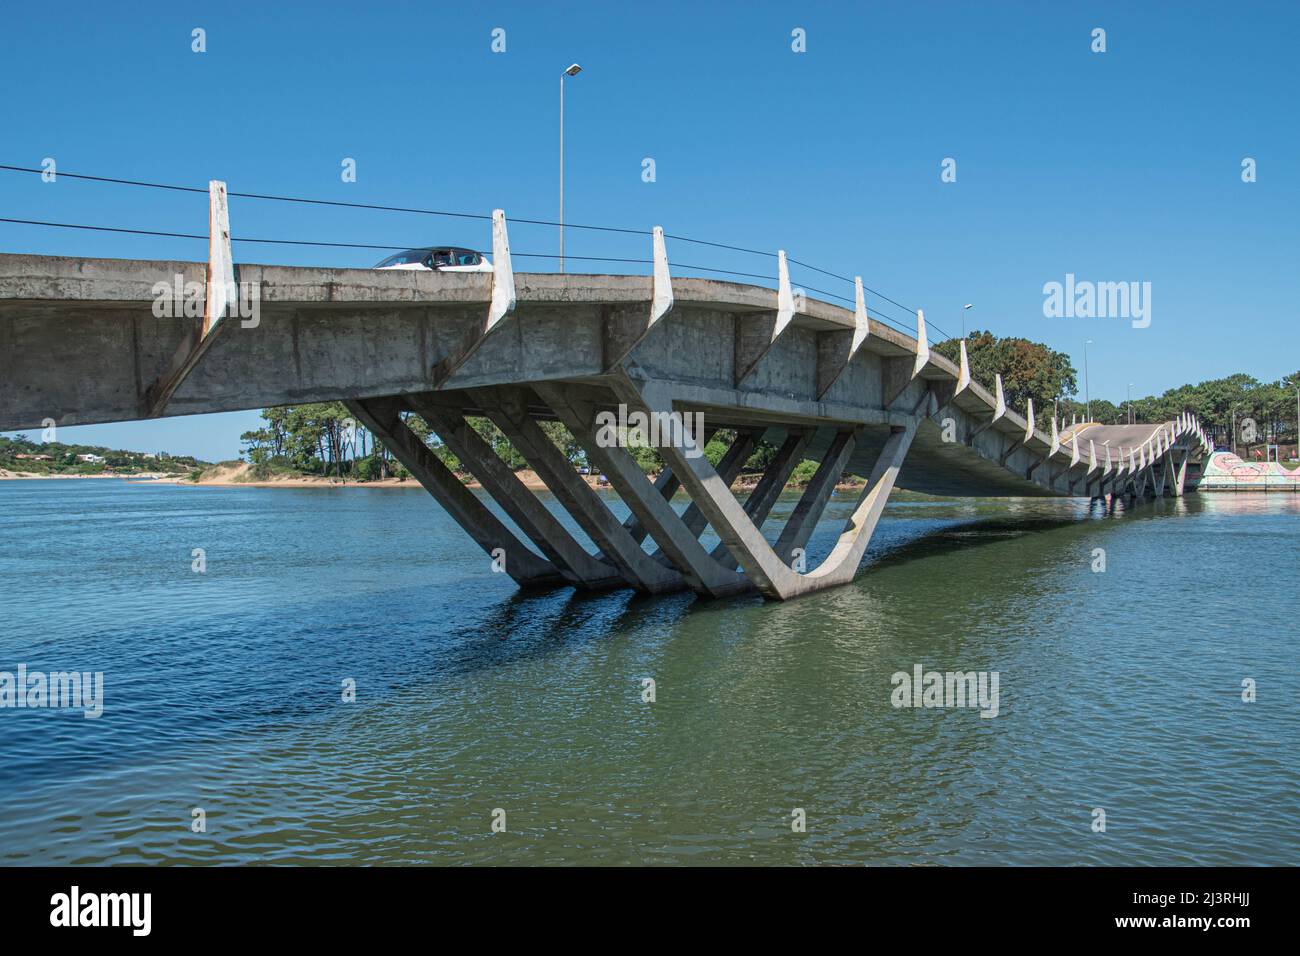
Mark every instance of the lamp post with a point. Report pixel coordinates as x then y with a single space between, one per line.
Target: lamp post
964 309
1087 395
1130 403
573 70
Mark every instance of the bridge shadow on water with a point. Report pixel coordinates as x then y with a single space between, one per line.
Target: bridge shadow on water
529 624
962 536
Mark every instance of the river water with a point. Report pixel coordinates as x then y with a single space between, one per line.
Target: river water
1118 690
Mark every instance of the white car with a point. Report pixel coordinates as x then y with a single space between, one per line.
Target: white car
439 259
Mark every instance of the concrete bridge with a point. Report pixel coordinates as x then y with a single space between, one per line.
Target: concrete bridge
81 342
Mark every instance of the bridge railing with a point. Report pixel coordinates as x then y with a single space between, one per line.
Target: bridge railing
730 262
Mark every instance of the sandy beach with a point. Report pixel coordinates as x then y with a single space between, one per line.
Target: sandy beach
235 475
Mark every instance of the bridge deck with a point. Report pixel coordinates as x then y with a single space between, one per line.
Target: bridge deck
100 340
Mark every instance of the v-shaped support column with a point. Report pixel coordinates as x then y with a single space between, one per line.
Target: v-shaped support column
803 520
760 562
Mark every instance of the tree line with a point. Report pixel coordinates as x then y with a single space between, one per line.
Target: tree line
1033 370
324 439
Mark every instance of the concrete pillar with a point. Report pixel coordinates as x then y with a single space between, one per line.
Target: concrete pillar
507 408
765 494
728 467
665 525
505 488
382 417
806 514
1181 480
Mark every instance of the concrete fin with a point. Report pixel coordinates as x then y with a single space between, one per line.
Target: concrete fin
1092 456
663 283
221 293
784 296
922 345
861 323
1056 439
963 376
1001 407
221 264
503 274
1029 420
752 343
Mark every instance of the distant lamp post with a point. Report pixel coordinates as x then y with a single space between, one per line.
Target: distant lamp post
964 309
1087 395
573 70
1130 403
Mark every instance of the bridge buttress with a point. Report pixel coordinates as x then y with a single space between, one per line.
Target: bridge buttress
1181 480
754 338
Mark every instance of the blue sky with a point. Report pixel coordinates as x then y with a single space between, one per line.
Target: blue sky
1118 166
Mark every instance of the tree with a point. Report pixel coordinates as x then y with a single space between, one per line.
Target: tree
1028 369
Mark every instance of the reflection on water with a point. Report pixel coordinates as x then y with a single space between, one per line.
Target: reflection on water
1119 690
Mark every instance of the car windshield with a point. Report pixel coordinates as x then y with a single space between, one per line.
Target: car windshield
436 258
409 257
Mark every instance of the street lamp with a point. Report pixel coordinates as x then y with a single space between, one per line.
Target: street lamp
573 70
1087 395
965 307
1130 403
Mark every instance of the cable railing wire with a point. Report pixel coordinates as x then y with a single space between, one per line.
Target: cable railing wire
458 215
878 315
328 202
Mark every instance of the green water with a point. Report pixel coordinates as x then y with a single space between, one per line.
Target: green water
1119 690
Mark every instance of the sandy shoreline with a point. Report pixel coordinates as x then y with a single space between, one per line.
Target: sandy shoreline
231 477
37 476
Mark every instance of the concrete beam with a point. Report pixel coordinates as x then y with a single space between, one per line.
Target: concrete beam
383 418
666 527
503 485
507 409
761 563
728 467
765 494
803 520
